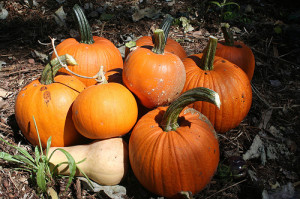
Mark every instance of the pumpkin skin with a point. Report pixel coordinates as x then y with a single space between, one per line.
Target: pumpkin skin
156 79
229 81
51 107
90 53
166 163
104 111
239 54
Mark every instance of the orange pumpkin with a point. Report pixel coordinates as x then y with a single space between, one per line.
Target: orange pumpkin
172 149
104 111
224 77
172 46
154 75
236 52
49 101
91 52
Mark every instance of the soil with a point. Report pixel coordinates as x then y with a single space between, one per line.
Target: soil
270 28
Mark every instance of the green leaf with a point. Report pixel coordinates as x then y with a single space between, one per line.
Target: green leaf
216 3
232 3
48 145
71 164
37 131
24 160
41 178
37 155
8 157
19 149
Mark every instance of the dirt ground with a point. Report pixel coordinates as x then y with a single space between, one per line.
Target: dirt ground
270 28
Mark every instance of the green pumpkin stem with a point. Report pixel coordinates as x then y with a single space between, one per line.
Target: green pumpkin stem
228 36
170 117
207 60
166 24
159 41
86 35
53 66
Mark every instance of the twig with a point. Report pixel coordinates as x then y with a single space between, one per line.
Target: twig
226 188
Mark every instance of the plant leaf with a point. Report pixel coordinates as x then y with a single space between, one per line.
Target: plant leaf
71 163
37 155
24 160
41 178
48 145
8 157
19 149
233 3
216 3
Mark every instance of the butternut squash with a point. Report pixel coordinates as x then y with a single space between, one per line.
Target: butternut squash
106 161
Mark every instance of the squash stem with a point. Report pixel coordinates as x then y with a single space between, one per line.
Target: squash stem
159 41
207 60
53 66
165 25
228 36
86 35
170 117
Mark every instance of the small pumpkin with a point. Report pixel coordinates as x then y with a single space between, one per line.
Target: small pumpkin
105 161
224 77
236 52
174 149
49 100
154 75
171 45
104 110
90 52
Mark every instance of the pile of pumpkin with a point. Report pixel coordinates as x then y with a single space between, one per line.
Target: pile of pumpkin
171 105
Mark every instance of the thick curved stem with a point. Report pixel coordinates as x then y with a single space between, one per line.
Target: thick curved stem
55 64
170 118
166 24
228 36
159 41
207 60
86 35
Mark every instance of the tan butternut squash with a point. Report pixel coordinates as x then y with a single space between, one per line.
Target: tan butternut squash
106 161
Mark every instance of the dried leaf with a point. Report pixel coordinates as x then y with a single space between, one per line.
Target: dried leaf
60 16
186 24
152 13
256 150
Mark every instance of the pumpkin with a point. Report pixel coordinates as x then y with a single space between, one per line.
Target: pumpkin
224 77
154 75
104 110
236 52
50 101
90 52
174 149
171 45
105 161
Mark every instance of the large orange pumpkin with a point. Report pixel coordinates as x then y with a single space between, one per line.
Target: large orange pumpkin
172 149
49 101
104 111
224 77
91 52
171 45
236 52
154 75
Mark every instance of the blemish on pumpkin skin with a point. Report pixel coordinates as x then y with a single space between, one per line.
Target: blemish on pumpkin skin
76 112
47 96
223 61
43 88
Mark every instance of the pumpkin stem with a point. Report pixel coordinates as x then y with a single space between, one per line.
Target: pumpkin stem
86 35
207 60
53 66
228 36
170 117
159 41
101 79
165 25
